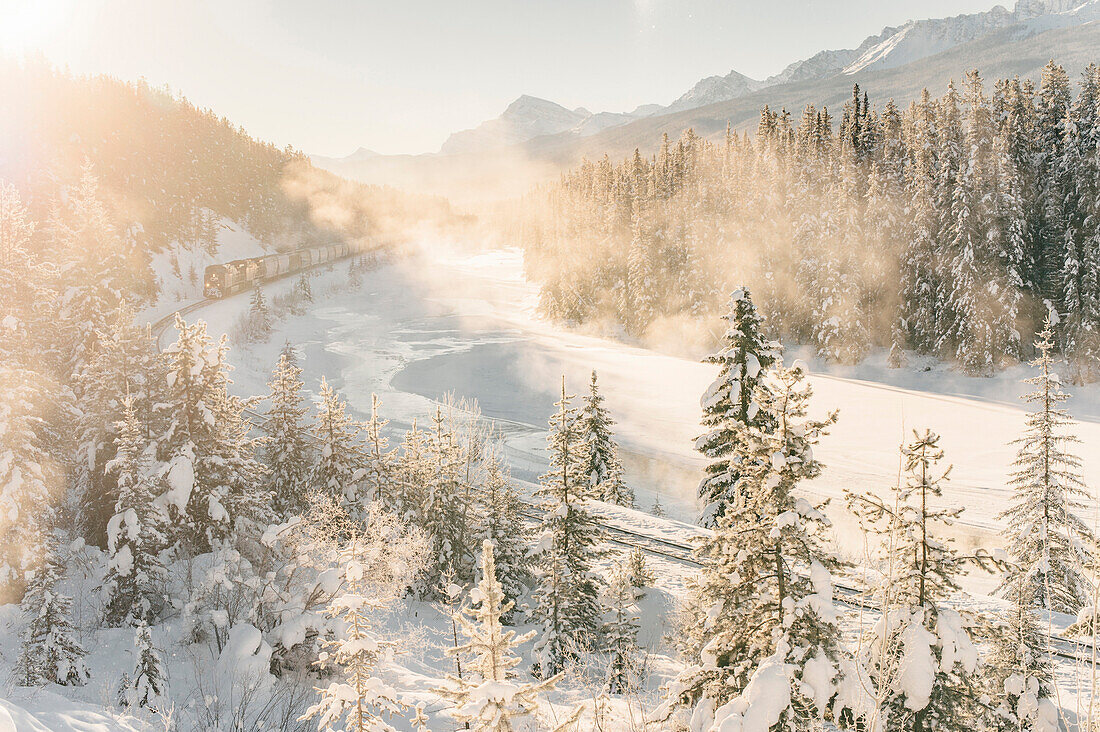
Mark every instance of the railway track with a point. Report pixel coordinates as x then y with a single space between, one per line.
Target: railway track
854 597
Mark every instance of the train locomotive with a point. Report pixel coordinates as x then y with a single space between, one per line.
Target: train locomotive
223 280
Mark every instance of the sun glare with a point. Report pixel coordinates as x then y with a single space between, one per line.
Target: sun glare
28 24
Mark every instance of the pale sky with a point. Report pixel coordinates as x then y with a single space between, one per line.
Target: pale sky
328 76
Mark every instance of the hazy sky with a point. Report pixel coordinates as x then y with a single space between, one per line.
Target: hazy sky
328 76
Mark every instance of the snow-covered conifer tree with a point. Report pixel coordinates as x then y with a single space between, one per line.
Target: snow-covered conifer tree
378 556
258 321
135 578
125 365
919 656
146 685
341 464
567 593
444 514
620 631
1050 545
731 404
752 619
287 451
215 482
490 698
640 574
502 522
601 464
381 463
413 474
50 652
1019 680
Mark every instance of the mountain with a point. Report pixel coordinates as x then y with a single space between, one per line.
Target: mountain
897 63
529 117
715 89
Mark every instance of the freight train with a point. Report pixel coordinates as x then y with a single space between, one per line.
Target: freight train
223 280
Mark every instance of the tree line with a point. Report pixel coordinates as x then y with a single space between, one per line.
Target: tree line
952 227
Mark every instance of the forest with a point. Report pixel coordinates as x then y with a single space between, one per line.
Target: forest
952 227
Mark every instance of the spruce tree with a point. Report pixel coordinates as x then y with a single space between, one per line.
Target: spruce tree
620 631
136 579
215 481
1050 545
503 523
750 612
601 464
731 403
146 685
1020 681
341 464
50 652
287 451
444 514
258 321
567 592
489 698
920 657
125 365
381 463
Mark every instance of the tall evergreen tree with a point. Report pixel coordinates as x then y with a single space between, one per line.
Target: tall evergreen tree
50 652
445 513
567 593
749 612
620 631
381 463
601 466
135 581
503 523
730 404
215 481
341 464
287 451
1050 545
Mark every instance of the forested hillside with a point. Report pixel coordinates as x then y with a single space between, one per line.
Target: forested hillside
168 174
952 227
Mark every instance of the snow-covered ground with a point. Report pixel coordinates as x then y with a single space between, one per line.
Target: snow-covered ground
454 321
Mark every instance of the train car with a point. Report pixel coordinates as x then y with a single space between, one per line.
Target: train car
223 280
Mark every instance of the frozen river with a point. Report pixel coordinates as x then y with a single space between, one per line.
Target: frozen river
462 323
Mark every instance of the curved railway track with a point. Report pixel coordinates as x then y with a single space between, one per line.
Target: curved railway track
1062 647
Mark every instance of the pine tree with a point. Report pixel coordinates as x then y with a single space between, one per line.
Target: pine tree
31 477
413 474
136 579
341 465
749 613
445 513
620 631
1019 677
95 273
146 685
503 524
258 321
601 464
1049 544
919 656
125 365
287 451
731 403
567 595
377 556
490 699
215 482
50 652
657 509
381 463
